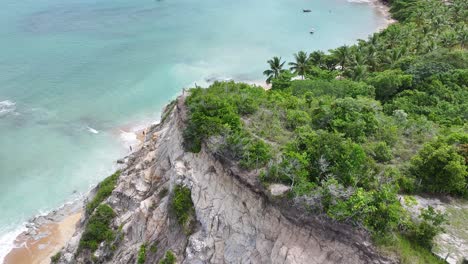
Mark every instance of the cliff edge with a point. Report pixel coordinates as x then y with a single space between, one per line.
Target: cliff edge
235 220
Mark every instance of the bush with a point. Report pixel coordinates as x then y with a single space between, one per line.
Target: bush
296 118
97 229
389 83
381 152
355 118
182 204
379 210
169 258
55 258
142 254
104 190
440 169
429 226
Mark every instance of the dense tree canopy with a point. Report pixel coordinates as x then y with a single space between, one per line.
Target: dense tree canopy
385 116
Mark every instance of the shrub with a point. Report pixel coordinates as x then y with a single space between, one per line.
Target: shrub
182 204
250 151
104 190
440 169
381 152
379 210
429 226
169 258
142 254
296 118
389 83
97 229
55 258
355 118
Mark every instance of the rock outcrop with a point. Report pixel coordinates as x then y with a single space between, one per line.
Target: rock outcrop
236 220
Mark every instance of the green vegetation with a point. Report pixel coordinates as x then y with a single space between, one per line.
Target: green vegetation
56 257
407 251
104 190
169 258
182 204
98 228
366 122
142 254
154 247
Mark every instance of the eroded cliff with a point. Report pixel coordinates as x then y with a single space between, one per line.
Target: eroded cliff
237 221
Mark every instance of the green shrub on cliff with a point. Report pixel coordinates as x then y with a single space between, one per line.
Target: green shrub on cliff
98 228
169 258
104 190
182 204
142 254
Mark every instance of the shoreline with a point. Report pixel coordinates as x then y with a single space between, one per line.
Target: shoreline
47 234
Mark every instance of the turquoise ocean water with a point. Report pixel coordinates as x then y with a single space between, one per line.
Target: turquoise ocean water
74 73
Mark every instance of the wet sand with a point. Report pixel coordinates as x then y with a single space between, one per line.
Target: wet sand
48 240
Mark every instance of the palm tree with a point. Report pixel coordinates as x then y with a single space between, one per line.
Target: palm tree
317 58
301 66
276 68
358 72
342 55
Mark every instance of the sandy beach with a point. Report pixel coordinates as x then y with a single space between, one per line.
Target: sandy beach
47 240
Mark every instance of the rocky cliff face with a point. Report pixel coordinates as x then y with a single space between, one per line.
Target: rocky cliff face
237 221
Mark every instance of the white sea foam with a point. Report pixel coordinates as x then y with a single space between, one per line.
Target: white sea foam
7 107
7 240
129 138
92 130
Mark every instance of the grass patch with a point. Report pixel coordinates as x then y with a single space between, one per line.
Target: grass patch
97 229
407 252
142 254
105 189
182 204
169 258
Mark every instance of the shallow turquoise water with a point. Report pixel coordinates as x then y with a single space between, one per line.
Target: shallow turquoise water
67 66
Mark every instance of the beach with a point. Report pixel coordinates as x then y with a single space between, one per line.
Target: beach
45 235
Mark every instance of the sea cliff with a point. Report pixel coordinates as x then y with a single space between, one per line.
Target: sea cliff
234 219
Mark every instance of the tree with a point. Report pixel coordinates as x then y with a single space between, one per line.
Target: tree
317 58
341 55
301 64
276 68
388 83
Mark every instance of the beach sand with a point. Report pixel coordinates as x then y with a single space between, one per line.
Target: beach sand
48 240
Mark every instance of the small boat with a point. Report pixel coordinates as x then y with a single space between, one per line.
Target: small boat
306 10
312 31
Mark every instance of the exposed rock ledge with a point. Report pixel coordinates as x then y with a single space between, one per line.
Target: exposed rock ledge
237 221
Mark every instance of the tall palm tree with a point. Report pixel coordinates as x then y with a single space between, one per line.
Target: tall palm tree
301 64
317 58
342 55
276 68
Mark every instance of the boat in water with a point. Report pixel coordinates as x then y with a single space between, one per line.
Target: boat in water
306 10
